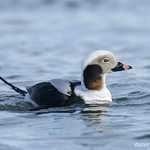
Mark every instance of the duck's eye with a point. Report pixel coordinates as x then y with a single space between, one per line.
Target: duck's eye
106 60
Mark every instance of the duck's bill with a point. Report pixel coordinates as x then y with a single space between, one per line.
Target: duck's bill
121 67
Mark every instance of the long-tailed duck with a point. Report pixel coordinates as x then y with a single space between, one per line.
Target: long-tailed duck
91 89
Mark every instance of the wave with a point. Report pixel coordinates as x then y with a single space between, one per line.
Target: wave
72 4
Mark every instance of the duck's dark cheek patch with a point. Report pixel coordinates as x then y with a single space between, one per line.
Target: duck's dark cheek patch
91 74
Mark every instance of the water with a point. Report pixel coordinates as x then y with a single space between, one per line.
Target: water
46 39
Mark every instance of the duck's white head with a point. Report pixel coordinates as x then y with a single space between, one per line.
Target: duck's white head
105 59
97 65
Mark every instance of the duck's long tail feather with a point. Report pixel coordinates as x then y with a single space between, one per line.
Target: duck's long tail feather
16 89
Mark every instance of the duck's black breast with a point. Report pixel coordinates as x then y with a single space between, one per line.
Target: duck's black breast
47 94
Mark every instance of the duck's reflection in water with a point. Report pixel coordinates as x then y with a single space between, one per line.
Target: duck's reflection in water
93 115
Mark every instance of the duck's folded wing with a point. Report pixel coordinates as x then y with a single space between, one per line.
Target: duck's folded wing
46 95
64 86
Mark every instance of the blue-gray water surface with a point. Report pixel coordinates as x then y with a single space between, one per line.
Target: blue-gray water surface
45 39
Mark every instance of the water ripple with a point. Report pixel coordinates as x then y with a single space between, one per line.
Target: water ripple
143 137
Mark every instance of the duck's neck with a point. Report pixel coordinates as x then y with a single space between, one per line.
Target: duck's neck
103 81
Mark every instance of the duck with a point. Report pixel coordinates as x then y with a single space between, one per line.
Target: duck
91 89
